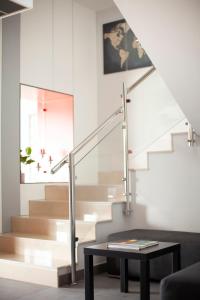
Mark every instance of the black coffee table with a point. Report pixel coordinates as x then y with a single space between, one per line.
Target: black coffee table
143 256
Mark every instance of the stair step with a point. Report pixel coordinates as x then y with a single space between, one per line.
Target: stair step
163 144
88 211
57 229
84 192
180 128
38 246
31 269
114 177
51 209
56 193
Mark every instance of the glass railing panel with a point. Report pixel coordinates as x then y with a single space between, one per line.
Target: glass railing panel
152 113
96 177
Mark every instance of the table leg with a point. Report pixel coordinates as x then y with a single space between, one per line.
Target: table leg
176 260
89 278
124 275
144 280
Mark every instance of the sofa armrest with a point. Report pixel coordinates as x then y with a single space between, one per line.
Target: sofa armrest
182 285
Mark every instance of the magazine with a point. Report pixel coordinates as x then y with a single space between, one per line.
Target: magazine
131 244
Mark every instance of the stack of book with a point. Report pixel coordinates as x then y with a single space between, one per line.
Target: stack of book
131 244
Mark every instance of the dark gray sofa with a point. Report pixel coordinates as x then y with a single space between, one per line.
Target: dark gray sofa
181 285
159 267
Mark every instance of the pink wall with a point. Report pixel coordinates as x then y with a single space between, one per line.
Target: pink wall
55 119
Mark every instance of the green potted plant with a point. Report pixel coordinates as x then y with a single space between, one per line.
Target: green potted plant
26 160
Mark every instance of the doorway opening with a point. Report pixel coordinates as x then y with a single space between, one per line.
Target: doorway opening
46 133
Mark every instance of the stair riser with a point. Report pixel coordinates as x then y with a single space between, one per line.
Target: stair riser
84 193
55 229
48 209
97 210
114 177
40 249
56 193
98 193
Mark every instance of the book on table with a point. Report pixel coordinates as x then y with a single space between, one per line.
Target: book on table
131 244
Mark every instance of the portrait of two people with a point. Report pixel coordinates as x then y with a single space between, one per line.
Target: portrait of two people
122 50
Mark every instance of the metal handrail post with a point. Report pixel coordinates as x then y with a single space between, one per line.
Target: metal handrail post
125 152
72 217
190 135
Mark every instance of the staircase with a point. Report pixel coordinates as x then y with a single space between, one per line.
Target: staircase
37 249
41 247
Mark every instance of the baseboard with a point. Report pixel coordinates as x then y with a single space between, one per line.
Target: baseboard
66 279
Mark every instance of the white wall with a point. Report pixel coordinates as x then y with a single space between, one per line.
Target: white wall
30 192
169 31
85 86
152 111
58 52
167 195
85 69
46 45
0 124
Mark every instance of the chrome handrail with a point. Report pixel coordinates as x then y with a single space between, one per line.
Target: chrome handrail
96 144
97 130
140 80
60 164
65 160
70 159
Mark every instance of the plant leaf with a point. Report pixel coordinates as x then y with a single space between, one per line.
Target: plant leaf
23 159
30 161
28 150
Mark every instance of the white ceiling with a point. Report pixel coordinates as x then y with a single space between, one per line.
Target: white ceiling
97 5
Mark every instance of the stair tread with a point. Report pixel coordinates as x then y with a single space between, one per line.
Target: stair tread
61 240
89 185
31 236
48 201
110 201
53 219
37 261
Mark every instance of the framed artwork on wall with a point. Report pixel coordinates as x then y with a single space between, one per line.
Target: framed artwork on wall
122 50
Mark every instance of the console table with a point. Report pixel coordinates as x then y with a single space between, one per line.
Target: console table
144 256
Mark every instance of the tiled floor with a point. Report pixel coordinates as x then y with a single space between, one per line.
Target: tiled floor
105 289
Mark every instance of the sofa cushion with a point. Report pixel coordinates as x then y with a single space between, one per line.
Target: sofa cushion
159 267
182 285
